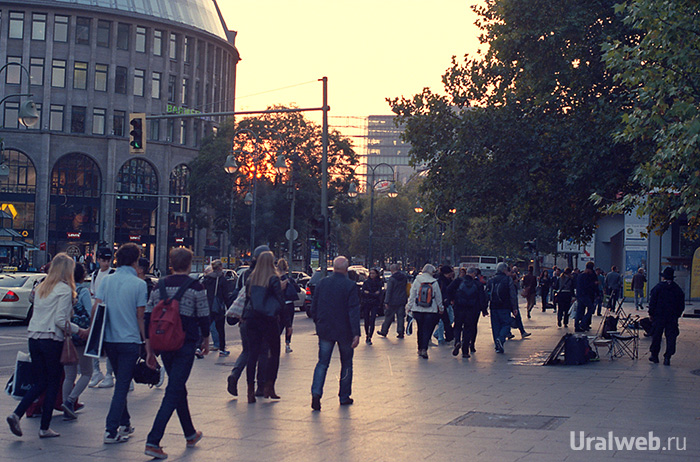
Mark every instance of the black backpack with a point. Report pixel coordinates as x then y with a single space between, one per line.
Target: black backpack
500 291
467 294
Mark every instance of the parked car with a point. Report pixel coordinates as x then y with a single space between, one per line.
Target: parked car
14 295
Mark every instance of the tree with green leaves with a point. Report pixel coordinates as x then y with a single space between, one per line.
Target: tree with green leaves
661 66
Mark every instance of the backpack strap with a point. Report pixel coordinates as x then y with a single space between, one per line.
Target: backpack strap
181 291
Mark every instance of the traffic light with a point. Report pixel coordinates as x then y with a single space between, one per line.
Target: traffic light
318 232
137 135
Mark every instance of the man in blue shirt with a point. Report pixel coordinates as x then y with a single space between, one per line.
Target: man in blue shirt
124 295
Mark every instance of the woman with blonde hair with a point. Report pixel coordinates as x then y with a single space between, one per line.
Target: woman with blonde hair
264 292
53 305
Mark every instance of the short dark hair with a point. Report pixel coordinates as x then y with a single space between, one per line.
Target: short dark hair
144 264
127 254
590 265
79 273
180 258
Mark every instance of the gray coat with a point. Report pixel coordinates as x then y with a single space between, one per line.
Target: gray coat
396 294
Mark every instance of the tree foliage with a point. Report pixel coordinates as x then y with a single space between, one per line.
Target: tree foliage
662 67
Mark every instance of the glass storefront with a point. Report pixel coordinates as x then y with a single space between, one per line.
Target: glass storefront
135 218
180 232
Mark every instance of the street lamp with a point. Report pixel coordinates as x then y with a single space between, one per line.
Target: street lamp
352 193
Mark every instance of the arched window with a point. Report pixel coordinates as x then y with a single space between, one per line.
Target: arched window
76 175
22 177
137 177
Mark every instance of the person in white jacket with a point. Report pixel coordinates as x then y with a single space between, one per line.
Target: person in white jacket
53 305
425 306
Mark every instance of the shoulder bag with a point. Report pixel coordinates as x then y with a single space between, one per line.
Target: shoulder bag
69 355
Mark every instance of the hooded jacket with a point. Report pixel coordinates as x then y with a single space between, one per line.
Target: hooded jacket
437 295
396 294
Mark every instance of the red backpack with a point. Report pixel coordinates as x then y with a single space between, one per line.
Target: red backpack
165 331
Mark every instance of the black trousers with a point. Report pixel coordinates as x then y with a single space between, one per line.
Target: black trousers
260 331
564 305
466 321
659 327
449 332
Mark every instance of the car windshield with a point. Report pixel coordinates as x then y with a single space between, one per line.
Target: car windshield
12 281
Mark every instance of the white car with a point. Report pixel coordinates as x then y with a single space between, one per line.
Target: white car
14 294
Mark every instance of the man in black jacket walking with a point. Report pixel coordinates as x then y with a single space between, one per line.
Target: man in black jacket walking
666 305
395 300
468 299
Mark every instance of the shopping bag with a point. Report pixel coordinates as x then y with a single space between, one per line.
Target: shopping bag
572 310
93 347
236 308
21 380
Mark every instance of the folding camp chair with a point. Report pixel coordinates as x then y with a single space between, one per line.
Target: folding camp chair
625 342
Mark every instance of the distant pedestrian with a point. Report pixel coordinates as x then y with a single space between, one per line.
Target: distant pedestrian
370 297
530 289
444 332
52 313
291 295
194 315
517 320
218 290
600 291
395 300
666 305
503 301
565 293
104 268
586 285
613 285
544 283
468 299
425 306
639 280
335 310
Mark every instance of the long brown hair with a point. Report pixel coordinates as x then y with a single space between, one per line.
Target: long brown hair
61 270
264 270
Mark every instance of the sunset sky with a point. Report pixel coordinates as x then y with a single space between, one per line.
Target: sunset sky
369 50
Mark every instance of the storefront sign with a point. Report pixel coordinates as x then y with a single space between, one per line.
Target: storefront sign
134 238
179 240
73 235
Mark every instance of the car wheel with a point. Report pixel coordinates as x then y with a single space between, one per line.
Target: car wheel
30 312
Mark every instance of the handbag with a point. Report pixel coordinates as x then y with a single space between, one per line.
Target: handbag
22 379
262 303
236 308
216 306
146 375
69 355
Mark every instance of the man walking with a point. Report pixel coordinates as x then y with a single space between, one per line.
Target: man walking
613 286
104 261
124 294
530 289
586 284
666 305
503 299
638 281
335 310
395 300
468 300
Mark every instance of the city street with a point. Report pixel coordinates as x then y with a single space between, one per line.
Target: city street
487 408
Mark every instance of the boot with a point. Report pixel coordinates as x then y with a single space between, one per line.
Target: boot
260 390
251 392
270 390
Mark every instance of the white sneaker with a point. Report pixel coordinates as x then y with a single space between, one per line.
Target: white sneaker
125 430
108 382
162 377
288 348
96 378
117 438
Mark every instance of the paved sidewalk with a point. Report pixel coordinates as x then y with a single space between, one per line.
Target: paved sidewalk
487 408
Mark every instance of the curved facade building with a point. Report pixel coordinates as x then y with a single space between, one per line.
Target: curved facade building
72 181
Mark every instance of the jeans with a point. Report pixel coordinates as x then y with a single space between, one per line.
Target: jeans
263 330
500 325
178 365
219 321
394 310
72 392
638 298
325 350
658 329
123 357
46 372
213 334
426 323
369 314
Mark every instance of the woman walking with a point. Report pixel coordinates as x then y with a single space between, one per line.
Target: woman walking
291 294
81 317
564 294
52 311
264 290
425 305
545 284
371 300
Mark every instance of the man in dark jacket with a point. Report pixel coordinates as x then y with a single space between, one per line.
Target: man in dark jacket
395 300
444 279
503 299
468 299
613 286
335 309
219 292
586 285
638 282
666 305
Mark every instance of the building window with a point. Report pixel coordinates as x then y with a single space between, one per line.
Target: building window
36 71
11 115
16 29
77 119
38 26
21 180
201 52
140 45
103 33
119 121
79 176
155 85
56 118
58 73
197 128
137 176
60 28
37 125
80 75
82 31
187 49
139 78
171 88
183 132
120 80
197 95
158 42
13 74
173 46
169 136
98 121
154 130
123 31
185 91
101 77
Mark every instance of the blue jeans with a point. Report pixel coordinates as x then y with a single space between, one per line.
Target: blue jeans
178 365
325 350
123 357
46 374
500 325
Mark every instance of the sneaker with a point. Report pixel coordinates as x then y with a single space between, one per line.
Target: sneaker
108 382
113 439
13 420
381 334
399 336
68 410
156 452
465 354
510 337
455 351
232 386
48 433
525 334
162 377
368 341
224 353
423 354
79 406
96 378
499 346
667 361
192 441
288 348
347 402
198 353
125 430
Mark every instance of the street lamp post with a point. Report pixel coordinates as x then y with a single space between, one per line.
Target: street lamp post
352 192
